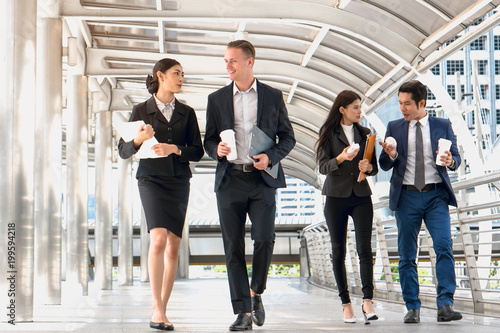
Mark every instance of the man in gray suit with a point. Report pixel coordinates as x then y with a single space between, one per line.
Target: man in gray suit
242 185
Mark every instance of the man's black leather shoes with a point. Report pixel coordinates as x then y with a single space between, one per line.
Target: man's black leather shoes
412 316
243 323
258 313
446 313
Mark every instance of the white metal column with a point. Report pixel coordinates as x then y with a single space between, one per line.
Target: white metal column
144 248
17 134
77 258
125 226
48 158
103 202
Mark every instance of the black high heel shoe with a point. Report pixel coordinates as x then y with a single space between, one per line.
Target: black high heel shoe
368 316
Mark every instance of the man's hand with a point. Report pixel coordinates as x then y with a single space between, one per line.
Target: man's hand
223 149
388 148
261 161
446 158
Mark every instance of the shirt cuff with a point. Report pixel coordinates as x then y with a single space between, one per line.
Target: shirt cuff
453 164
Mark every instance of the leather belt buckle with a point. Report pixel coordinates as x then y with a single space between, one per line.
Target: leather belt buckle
243 167
248 168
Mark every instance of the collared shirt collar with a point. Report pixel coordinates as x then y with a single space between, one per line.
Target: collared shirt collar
162 105
423 122
236 90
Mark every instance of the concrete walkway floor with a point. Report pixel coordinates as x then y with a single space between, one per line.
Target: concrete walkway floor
203 305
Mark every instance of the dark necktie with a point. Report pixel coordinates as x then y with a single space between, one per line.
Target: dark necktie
419 159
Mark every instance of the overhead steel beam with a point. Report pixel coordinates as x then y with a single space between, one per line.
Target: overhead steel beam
455 22
378 36
438 56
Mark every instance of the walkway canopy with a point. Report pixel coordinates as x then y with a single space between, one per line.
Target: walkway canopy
311 50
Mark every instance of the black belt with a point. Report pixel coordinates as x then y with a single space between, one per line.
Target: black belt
427 187
243 167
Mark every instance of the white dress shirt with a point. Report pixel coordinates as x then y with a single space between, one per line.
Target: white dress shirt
166 109
349 132
431 173
245 116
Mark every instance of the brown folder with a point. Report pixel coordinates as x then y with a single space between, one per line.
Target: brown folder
369 147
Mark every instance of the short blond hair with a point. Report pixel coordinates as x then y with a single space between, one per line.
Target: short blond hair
244 45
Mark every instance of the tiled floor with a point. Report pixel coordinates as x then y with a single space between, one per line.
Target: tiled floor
202 305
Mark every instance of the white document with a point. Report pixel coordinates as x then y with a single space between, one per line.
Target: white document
129 130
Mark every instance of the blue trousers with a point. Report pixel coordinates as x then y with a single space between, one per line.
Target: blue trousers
432 207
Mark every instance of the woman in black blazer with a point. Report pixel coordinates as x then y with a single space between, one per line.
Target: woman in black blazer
346 196
164 181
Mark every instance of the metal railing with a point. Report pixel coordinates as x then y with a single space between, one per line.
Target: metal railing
475 230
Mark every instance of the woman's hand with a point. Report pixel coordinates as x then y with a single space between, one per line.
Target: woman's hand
165 149
365 166
146 132
345 156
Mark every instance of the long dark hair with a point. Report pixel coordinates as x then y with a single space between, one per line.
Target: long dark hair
161 65
344 98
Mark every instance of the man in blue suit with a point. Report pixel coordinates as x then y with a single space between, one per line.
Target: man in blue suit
421 189
242 185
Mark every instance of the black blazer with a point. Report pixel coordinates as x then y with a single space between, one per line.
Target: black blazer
182 130
341 180
272 118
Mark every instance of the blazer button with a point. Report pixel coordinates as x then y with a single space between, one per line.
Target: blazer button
169 140
169 129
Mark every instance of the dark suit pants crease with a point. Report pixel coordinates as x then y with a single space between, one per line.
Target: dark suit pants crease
337 211
242 193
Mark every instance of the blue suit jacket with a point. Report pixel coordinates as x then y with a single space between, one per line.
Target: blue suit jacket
272 118
398 129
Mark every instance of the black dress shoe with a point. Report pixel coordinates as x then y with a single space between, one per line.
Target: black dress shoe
161 326
242 323
446 313
412 316
258 313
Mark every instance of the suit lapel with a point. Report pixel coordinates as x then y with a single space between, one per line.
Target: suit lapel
229 124
434 135
358 137
260 100
404 138
178 113
341 135
152 109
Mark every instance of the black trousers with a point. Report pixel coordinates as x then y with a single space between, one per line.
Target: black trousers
337 211
241 194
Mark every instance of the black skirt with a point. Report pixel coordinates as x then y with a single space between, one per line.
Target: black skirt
165 201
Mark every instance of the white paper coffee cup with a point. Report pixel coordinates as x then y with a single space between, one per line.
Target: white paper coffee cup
443 145
227 136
